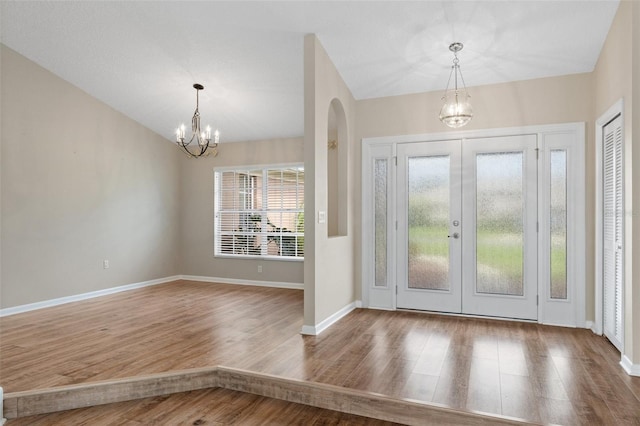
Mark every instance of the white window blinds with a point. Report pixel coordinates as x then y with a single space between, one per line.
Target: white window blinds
260 212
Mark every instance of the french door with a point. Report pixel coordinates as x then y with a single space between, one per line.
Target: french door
467 226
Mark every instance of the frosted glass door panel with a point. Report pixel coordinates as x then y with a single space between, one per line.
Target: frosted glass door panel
499 223
558 223
428 218
380 202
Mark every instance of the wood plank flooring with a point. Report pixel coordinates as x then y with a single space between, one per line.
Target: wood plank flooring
539 373
314 394
203 407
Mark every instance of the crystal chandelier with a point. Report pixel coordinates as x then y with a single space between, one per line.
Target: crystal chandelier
456 110
204 146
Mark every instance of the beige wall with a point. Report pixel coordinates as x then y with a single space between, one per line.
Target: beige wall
329 262
196 200
541 101
80 183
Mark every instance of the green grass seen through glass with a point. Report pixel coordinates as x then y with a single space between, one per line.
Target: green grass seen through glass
494 249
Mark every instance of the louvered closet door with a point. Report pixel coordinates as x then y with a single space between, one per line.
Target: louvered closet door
613 231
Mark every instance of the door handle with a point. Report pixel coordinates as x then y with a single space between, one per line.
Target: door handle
455 235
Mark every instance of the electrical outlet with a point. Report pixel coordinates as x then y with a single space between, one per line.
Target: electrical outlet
259 269
105 264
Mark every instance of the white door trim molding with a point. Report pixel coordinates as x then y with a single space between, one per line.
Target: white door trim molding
472 134
613 111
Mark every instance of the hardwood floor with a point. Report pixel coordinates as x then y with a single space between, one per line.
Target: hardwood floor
204 407
538 373
314 394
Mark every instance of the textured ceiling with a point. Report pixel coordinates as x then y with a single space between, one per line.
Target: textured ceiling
142 58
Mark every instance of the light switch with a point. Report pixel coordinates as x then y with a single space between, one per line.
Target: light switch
322 217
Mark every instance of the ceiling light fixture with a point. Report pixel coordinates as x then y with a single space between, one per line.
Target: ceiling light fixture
456 111
203 138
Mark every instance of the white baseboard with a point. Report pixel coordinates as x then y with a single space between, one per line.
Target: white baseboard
90 295
77 297
557 324
309 330
358 304
296 286
382 308
591 325
631 368
314 330
2 419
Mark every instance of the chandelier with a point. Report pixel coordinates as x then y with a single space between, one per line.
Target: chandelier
456 110
204 146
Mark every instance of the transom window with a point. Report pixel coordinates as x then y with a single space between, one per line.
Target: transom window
259 212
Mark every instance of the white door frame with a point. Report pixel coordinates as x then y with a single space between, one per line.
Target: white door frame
613 111
576 131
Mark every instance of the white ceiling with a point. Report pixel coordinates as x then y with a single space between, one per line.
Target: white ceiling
142 58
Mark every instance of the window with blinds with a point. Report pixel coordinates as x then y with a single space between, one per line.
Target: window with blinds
259 212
